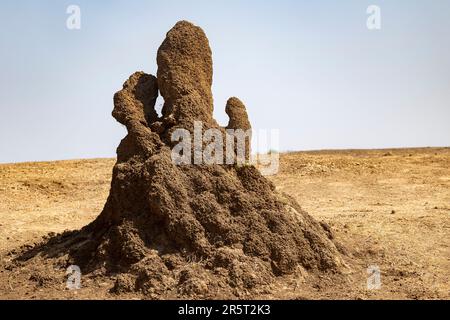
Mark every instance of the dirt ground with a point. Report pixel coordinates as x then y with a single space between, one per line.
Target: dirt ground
388 208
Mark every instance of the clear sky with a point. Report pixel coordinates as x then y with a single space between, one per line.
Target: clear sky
309 68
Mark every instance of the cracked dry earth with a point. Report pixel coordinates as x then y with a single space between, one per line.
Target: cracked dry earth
389 208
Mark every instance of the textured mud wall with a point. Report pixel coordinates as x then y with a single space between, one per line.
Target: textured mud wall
198 229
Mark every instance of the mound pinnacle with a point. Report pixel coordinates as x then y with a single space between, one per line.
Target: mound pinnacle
190 230
237 114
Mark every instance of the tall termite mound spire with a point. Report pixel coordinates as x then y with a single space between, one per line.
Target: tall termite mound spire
191 230
185 74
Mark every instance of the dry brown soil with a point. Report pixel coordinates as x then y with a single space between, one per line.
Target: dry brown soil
389 208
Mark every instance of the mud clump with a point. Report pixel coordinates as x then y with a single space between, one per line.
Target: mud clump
172 230
238 120
185 76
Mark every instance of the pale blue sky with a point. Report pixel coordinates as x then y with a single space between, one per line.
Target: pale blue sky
310 68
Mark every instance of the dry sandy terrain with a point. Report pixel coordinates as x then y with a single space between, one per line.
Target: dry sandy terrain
389 208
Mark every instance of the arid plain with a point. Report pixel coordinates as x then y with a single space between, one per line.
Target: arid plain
388 208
